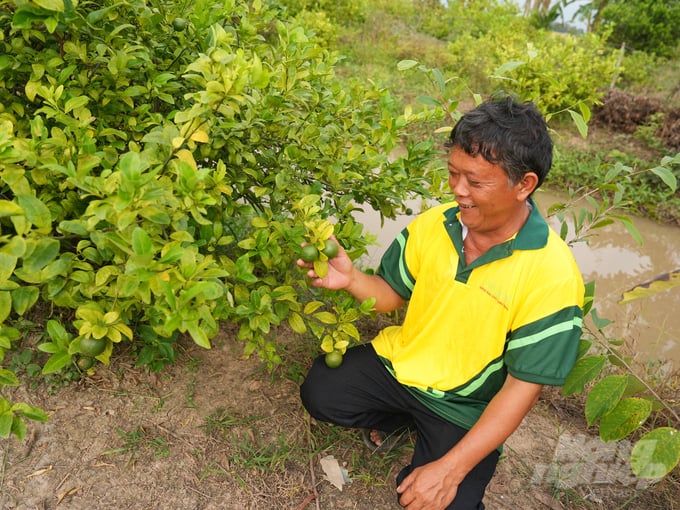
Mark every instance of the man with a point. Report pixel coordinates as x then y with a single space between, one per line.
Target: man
494 313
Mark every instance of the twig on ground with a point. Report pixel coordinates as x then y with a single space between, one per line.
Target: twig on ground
315 495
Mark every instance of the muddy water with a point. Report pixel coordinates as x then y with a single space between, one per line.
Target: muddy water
650 327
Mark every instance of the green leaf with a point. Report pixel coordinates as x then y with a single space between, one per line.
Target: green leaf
5 304
7 265
296 323
35 211
600 322
45 251
628 415
667 176
56 362
507 67
6 419
656 453
51 5
19 428
405 65
76 102
30 412
198 335
367 305
604 396
8 378
585 370
580 122
58 333
24 298
94 17
141 242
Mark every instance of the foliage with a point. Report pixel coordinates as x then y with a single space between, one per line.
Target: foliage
646 192
618 399
343 12
557 71
14 414
149 171
645 25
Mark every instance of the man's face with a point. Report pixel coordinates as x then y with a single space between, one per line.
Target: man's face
488 200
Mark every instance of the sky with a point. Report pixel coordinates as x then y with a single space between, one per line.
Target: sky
569 11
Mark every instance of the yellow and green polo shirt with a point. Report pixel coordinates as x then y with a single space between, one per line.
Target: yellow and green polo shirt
516 309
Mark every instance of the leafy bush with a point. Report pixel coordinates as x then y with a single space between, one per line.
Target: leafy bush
645 25
158 176
343 12
557 71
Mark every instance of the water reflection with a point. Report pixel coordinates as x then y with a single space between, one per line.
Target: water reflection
650 327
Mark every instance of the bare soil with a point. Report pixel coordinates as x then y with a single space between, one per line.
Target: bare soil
216 431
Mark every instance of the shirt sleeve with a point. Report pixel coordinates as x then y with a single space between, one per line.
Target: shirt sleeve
394 269
544 352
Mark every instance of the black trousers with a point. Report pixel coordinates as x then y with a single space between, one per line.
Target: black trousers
366 395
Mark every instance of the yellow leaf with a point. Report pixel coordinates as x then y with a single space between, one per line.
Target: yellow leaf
651 287
200 136
326 317
326 232
341 346
296 323
123 328
187 157
321 268
114 335
327 344
312 307
111 317
177 142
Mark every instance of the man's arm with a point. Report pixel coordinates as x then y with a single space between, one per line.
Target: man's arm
434 485
342 275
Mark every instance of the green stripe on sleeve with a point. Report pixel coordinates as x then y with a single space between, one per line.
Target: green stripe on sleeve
393 268
563 327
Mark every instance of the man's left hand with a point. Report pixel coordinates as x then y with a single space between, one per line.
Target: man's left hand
428 487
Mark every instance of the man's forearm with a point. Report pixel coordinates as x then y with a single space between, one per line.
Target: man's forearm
364 286
501 418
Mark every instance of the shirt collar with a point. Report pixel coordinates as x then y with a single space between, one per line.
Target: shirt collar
532 236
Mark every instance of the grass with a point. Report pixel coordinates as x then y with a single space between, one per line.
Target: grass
137 440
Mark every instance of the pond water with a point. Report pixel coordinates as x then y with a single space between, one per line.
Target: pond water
650 327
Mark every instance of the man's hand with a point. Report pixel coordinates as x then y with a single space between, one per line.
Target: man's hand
343 275
428 487
340 269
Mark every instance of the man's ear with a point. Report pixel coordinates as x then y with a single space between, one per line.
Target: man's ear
527 185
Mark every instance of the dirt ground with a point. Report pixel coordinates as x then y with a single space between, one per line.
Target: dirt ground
216 431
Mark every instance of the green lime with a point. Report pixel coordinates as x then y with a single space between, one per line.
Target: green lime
309 253
85 363
330 248
179 24
333 359
92 346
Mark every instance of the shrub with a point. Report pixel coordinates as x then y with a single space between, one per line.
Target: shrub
158 176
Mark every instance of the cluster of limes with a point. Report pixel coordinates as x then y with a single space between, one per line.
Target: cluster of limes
90 348
309 252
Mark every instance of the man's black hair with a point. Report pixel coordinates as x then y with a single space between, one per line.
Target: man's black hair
506 133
